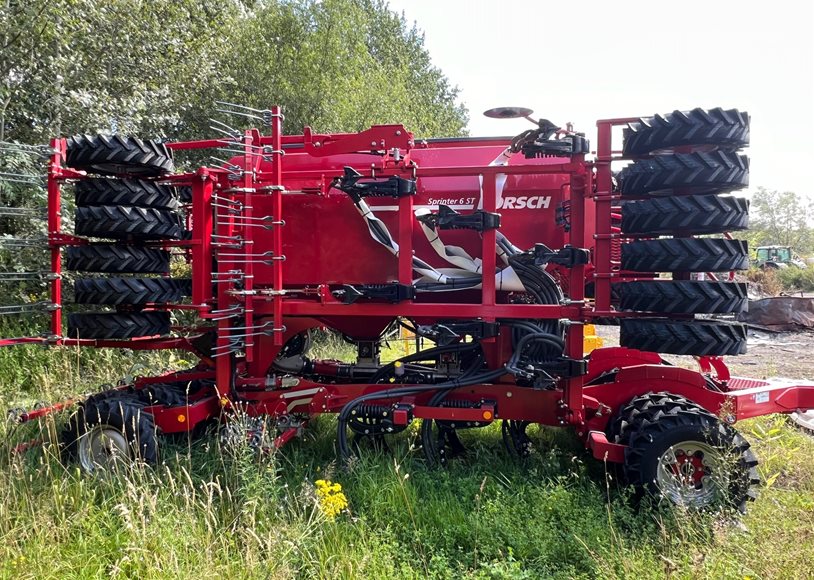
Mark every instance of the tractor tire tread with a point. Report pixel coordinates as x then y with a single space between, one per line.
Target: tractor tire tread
118 325
118 155
686 215
133 192
121 291
690 337
685 255
683 296
117 259
726 129
120 222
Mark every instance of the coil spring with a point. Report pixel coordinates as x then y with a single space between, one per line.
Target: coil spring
370 411
460 404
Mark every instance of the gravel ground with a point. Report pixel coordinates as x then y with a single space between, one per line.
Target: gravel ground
785 354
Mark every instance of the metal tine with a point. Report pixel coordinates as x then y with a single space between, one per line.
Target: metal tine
227 199
247 115
249 145
233 134
22 276
228 273
26 178
244 107
40 150
22 242
22 211
28 308
231 167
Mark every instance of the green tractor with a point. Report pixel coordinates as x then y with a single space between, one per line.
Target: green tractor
777 257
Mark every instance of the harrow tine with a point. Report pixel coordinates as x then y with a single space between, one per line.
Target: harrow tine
25 276
24 178
28 308
11 242
231 167
43 151
22 211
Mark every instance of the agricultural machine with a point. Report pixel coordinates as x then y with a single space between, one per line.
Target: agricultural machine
493 252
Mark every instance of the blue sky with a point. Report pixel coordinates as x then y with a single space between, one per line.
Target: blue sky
581 61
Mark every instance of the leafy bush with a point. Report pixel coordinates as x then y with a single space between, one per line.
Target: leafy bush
792 278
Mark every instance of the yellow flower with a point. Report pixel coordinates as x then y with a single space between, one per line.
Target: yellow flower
331 499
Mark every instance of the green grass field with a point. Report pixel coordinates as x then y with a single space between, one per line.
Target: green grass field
207 512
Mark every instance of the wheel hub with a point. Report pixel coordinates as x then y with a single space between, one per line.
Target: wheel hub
691 474
103 447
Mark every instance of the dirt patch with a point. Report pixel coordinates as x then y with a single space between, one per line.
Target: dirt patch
785 354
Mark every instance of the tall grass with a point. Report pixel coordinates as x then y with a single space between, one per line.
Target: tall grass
210 512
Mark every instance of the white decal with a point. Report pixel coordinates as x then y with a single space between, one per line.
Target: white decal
524 202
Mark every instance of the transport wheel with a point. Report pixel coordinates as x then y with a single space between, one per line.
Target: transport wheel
135 192
685 255
111 432
119 291
715 128
515 439
117 259
693 173
686 215
683 296
692 337
684 454
122 222
804 420
117 325
117 155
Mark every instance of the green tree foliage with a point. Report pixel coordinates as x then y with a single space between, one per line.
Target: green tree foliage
781 218
154 67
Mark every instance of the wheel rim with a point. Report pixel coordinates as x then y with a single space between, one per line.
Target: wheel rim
692 474
103 447
804 419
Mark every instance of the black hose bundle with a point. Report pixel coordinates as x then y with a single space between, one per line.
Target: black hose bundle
345 414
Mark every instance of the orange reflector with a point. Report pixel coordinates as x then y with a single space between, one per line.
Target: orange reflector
182 418
487 415
224 401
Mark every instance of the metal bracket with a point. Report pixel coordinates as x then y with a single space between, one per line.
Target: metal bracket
388 292
449 219
393 186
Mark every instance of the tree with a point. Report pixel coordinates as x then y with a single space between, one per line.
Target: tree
781 218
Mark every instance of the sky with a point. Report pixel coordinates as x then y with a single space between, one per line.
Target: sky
587 60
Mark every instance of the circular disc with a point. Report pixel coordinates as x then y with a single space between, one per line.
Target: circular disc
508 112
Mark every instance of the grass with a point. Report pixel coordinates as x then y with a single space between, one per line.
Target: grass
211 512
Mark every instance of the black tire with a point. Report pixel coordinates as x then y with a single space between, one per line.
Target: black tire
117 259
656 428
135 192
122 222
683 296
100 417
690 337
694 173
117 155
116 325
630 417
691 215
715 128
120 291
185 193
685 255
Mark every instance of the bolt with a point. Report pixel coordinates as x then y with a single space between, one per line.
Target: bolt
372 143
398 133
508 394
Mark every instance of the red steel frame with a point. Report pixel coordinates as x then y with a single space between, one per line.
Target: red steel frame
581 402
